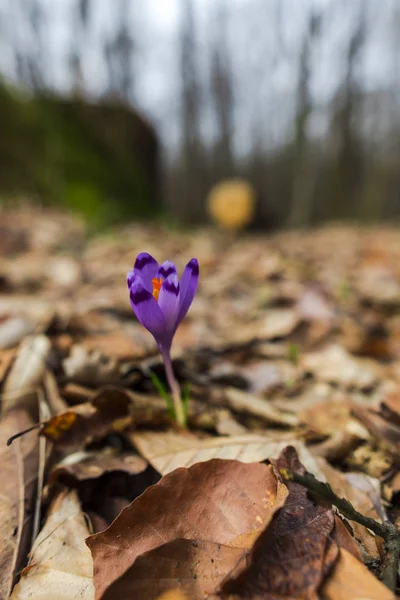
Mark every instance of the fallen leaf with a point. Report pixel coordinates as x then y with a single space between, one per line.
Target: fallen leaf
106 481
390 407
91 367
379 284
226 425
6 358
168 451
370 458
115 344
292 556
351 580
333 421
222 502
344 539
54 400
384 430
334 364
86 422
64 271
13 330
278 323
60 565
312 305
251 404
83 466
328 417
338 446
371 486
360 501
18 473
76 394
25 375
198 567
263 377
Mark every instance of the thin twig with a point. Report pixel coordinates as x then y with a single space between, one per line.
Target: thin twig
387 531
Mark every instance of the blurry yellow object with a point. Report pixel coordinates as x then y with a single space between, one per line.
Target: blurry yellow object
231 204
173 595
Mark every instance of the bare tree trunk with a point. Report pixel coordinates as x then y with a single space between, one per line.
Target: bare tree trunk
223 99
192 179
347 181
303 177
119 55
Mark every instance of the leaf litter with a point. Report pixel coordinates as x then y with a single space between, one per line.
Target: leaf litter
291 351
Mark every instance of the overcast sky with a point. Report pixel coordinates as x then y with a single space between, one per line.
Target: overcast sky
254 54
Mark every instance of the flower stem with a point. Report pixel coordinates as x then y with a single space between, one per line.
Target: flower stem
175 389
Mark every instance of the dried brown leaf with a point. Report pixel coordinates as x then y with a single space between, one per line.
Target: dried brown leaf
54 400
351 580
333 421
84 466
116 344
18 474
60 565
6 358
222 502
91 367
335 365
92 420
251 404
168 451
13 330
292 557
380 427
360 501
25 375
225 424
277 323
197 567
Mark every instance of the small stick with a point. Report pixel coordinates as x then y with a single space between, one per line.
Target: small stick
21 433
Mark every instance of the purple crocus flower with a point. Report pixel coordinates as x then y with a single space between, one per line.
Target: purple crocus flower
160 302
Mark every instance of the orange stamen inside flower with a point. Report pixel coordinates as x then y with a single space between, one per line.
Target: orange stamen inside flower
157 283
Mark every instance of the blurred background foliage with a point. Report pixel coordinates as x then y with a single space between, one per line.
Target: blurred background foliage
137 108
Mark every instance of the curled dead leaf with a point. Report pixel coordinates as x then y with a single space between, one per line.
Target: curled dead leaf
91 420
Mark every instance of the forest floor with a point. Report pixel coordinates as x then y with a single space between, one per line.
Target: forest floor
291 351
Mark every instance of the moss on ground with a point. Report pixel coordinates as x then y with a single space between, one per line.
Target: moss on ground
100 160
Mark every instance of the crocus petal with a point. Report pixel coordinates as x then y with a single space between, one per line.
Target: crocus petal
189 281
129 278
146 266
147 310
168 300
166 269
132 277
